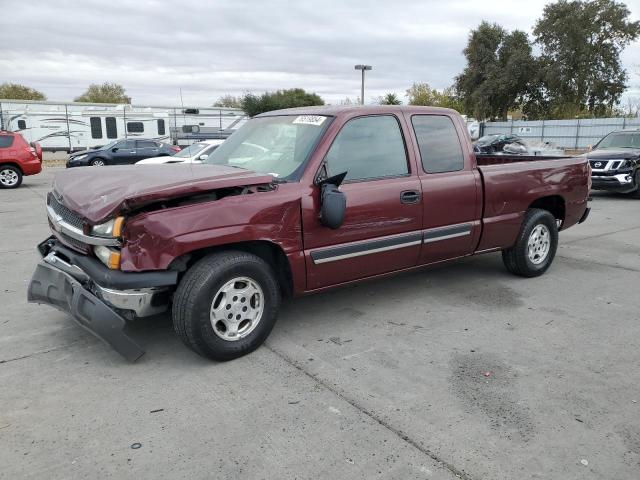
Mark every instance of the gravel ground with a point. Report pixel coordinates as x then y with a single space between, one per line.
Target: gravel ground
461 371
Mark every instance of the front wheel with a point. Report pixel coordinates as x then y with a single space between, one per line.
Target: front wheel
535 247
98 162
226 305
10 176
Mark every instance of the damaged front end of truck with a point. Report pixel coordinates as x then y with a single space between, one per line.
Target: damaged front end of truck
84 269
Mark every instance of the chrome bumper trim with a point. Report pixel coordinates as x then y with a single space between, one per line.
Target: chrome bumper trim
139 300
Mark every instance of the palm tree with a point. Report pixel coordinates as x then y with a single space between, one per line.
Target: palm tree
390 99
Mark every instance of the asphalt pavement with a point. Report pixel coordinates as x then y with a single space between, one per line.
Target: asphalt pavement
460 371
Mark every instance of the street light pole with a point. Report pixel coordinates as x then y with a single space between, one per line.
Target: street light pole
362 68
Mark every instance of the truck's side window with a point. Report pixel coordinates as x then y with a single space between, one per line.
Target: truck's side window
438 142
96 127
368 147
22 125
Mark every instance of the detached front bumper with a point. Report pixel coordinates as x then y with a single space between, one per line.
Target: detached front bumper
622 183
68 281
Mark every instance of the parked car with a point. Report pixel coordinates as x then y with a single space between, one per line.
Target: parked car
495 142
121 152
532 148
17 159
195 153
615 163
333 195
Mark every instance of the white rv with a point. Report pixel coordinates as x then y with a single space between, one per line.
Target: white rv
78 126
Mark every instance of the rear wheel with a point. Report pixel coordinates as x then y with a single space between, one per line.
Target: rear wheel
98 162
636 192
535 247
226 305
10 176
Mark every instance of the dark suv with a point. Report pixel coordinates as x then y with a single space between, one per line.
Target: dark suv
121 152
615 162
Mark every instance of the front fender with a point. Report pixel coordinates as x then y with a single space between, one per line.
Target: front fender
154 239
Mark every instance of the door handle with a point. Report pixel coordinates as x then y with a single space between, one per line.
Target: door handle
410 196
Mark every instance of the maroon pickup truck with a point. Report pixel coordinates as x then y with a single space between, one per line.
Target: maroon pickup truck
294 202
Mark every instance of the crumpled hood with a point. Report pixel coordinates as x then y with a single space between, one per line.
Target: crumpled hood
100 193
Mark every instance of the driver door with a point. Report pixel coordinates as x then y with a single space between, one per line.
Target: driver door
381 231
126 150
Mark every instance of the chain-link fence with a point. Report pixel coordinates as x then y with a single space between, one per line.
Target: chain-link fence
568 134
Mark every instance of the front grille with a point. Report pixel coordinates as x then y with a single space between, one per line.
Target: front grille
598 164
67 215
70 218
72 242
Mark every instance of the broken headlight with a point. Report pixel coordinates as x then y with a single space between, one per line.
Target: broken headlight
110 229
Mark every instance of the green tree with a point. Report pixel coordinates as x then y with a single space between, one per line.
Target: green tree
229 101
15 91
499 71
105 93
423 94
390 99
581 42
268 101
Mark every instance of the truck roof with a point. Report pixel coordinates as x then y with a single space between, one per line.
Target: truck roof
335 110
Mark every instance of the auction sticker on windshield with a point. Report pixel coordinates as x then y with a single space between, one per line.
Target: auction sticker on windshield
309 120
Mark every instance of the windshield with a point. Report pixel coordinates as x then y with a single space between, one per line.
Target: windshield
191 150
108 145
620 140
273 145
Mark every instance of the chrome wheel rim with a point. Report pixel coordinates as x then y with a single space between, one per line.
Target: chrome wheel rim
97 163
539 244
8 177
236 309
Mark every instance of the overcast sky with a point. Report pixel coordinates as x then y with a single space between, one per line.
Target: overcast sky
210 48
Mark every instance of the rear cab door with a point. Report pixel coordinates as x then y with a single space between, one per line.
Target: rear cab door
451 185
382 226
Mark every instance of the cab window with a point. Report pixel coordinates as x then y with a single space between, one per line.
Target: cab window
368 148
438 142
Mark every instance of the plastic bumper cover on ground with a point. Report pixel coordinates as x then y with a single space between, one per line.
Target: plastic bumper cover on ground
54 287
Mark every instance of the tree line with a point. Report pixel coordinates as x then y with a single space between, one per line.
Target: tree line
577 72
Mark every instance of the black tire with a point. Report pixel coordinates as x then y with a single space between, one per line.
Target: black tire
636 192
197 291
98 162
11 176
516 259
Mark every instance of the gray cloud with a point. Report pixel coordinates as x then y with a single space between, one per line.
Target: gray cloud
210 48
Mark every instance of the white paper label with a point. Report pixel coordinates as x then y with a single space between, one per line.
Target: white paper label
310 120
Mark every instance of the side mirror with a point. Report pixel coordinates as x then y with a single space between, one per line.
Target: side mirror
203 157
333 206
333 203
114 149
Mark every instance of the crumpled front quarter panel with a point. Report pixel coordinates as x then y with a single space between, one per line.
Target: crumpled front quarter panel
153 240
